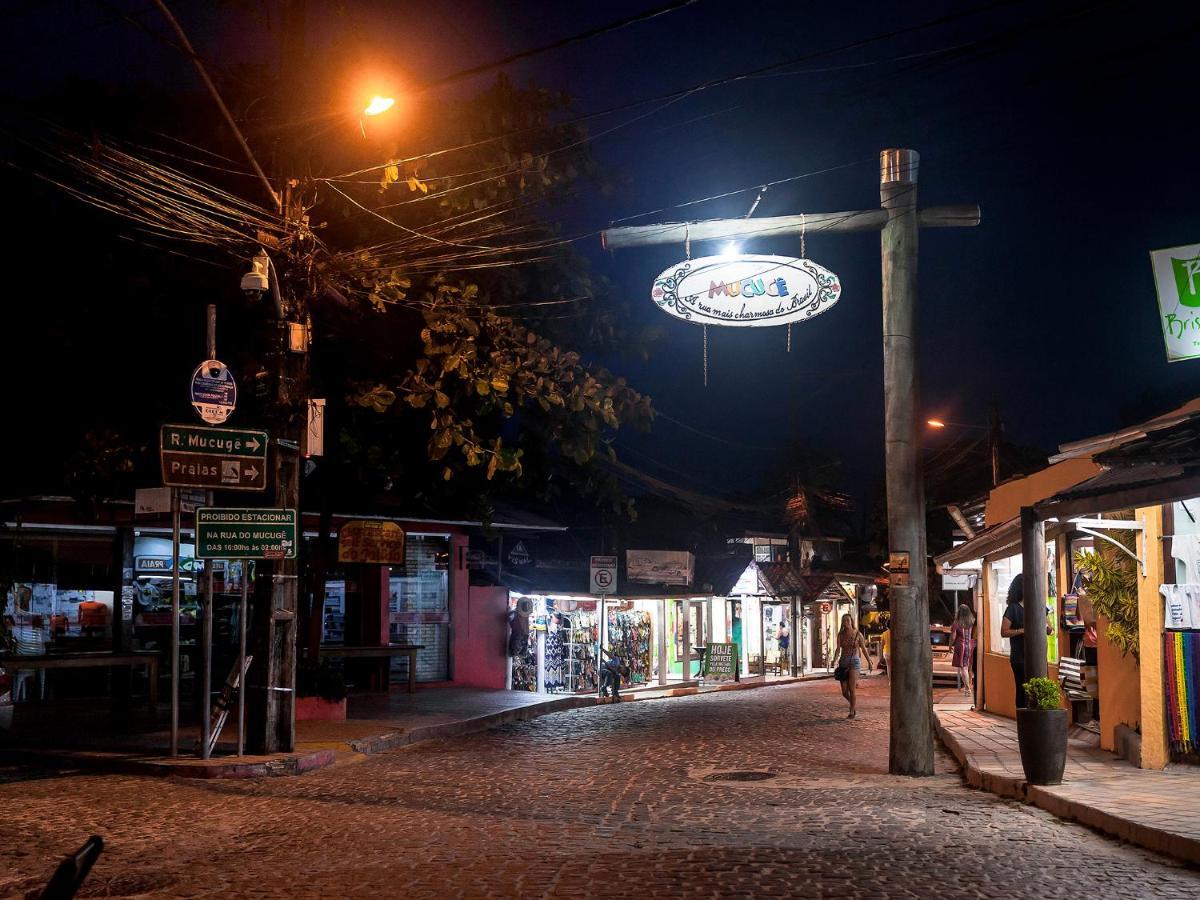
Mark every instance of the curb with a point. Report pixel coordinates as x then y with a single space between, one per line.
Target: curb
295 764
1011 787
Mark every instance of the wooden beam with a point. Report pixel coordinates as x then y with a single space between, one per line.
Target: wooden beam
958 216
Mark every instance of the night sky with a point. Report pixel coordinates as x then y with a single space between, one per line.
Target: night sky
1074 126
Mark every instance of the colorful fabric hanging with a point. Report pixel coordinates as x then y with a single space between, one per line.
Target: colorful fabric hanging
1182 682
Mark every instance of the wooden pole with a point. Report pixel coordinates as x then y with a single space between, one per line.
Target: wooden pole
1033 572
910 751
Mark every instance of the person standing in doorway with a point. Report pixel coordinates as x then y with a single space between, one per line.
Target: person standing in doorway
851 648
1012 626
610 675
962 639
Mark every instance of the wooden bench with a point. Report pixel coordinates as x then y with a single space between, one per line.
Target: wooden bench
383 652
1070 677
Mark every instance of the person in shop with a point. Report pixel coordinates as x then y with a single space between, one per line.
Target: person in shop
851 648
784 641
1012 626
610 675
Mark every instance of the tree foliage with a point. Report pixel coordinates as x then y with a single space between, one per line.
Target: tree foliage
466 282
1111 582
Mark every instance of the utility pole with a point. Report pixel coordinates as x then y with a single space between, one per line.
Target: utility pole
911 747
910 750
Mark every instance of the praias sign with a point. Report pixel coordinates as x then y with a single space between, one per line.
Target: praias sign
746 291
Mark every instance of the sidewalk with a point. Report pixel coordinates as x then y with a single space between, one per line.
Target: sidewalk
1156 810
375 723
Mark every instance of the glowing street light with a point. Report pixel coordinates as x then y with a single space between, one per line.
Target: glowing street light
379 105
935 423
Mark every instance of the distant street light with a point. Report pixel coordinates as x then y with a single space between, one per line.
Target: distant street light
993 432
379 105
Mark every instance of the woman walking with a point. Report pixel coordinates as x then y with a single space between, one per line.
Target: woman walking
962 639
851 648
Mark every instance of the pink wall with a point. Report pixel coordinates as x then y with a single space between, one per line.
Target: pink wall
480 633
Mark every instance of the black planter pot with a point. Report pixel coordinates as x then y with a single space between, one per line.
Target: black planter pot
1042 736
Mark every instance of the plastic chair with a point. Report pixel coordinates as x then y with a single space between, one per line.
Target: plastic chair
30 642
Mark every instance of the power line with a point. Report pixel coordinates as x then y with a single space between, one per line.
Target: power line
562 42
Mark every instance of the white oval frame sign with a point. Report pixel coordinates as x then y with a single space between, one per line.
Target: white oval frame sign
746 291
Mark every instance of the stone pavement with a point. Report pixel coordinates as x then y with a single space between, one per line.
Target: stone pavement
1158 810
637 800
376 722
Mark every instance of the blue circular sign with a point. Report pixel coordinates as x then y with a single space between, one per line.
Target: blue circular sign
214 392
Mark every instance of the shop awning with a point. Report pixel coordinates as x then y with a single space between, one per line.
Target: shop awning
1126 487
998 538
788 580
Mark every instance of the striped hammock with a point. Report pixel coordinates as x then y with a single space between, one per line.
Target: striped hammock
1182 660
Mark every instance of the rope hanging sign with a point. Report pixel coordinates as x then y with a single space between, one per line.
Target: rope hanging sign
746 290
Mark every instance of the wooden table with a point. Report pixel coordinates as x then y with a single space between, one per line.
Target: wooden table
90 660
380 651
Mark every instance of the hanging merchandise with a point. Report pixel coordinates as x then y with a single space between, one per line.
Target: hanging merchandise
629 638
1182 606
1182 664
524 665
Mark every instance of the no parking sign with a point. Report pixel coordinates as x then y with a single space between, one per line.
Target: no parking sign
604 575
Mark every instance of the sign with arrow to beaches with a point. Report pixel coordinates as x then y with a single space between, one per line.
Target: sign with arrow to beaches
231 459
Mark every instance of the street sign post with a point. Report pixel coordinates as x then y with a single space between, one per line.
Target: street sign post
604 575
246 533
231 459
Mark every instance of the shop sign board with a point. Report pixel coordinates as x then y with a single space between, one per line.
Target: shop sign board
373 542
475 559
660 566
746 291
898 568
246 533
156 501
720 661
956 581
521 555
233 459
214 391
1177 278
604 575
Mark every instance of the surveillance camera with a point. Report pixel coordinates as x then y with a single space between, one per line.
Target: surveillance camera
257 281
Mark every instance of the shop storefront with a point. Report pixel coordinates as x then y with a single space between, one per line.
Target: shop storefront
555 639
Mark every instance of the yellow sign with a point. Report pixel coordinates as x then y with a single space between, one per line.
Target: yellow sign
371 542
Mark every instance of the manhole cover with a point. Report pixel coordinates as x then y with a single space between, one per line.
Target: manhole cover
739 776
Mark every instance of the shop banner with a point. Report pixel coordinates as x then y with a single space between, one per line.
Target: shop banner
660 566
374 542
1177 278
721 661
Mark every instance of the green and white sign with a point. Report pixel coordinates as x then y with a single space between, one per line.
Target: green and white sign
1177 277
721 661
246 533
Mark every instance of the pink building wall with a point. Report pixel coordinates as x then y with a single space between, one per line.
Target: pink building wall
480 634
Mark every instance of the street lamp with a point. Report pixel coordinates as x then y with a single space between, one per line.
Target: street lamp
993 433
379 105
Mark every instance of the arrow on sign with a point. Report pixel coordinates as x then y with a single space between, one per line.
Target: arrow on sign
253 444
251 471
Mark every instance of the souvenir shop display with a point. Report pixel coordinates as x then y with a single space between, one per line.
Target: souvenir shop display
555 658
629 635
1182 663
581 653
524 665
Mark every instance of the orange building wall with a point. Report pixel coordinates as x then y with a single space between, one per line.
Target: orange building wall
1120 688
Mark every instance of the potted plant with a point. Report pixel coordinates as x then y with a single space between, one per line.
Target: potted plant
1042 732
320 693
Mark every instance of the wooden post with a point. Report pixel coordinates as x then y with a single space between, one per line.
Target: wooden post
911 748
1033 573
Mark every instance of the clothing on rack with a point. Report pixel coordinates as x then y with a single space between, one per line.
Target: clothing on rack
1182 606
1186 549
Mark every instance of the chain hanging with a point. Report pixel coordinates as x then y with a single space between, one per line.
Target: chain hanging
687 253
803 255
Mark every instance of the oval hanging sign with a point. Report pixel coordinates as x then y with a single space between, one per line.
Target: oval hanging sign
746 290
214 392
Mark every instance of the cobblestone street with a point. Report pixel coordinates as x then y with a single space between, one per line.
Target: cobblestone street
601 802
